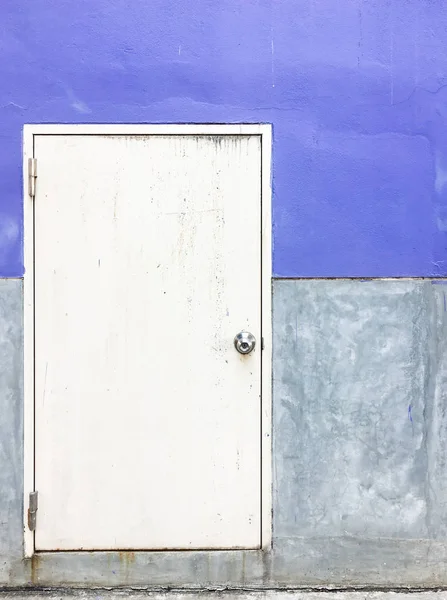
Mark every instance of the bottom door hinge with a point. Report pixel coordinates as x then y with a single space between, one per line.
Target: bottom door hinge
32 510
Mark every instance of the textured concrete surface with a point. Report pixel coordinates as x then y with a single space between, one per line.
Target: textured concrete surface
11 428
132 594
360 418
360 430
101 594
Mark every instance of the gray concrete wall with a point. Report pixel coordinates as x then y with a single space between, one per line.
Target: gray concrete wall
11 430
360 400
359 449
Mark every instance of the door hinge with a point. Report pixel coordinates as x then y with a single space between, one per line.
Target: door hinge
262 343
32 175
32 511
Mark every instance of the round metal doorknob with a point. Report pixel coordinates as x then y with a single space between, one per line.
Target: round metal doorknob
244 342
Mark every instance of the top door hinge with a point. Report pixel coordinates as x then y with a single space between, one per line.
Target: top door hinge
32 510
32 175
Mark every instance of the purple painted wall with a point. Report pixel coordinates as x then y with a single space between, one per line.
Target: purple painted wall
356 90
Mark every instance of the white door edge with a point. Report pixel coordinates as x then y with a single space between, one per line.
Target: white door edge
144 129
28 341
265 132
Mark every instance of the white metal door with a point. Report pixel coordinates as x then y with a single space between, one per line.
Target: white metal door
147 263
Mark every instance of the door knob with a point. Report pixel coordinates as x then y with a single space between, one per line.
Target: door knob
244 342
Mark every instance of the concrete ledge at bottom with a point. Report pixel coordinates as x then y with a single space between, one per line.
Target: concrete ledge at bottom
294 563
203 594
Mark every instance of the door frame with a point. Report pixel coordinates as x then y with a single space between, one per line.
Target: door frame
265 133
